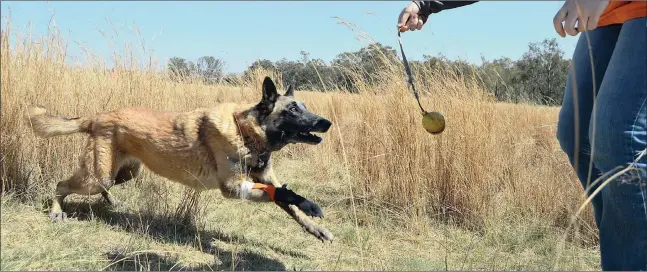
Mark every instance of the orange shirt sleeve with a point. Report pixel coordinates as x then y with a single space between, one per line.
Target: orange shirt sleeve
618 12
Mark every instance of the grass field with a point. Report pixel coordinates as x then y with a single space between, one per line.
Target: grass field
493 191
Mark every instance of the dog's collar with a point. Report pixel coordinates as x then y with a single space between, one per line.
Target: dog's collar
252 144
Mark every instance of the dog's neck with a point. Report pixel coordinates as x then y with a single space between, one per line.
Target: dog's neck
254 137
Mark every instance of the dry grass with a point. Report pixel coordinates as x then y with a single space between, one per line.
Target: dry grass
492 192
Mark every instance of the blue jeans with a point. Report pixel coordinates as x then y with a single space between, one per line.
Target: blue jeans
605 127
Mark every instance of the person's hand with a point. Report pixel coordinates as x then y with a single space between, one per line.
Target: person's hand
585 12
409 18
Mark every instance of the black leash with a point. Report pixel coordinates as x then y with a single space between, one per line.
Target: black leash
408 70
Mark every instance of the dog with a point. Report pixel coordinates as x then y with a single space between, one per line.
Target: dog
226 147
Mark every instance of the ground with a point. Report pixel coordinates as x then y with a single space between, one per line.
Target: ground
240 235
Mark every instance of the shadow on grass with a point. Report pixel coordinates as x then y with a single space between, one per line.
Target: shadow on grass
155 261
171 230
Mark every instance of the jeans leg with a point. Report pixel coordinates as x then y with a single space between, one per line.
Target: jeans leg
575 114
620 135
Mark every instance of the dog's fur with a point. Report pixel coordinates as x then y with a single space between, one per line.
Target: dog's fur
225 147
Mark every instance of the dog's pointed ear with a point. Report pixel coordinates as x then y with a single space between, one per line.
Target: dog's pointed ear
290 91
269 91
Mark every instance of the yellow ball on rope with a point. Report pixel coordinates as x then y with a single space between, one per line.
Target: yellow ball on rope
433 122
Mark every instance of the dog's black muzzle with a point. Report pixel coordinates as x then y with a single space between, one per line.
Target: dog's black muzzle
322 125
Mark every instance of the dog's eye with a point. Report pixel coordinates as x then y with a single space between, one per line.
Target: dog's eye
293 109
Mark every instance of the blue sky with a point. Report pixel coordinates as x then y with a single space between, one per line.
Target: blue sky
240 32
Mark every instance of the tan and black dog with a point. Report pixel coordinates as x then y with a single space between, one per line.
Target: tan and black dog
227 147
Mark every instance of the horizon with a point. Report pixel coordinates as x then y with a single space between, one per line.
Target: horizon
457 34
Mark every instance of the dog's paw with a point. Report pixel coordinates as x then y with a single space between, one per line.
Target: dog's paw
320 232
287 196
310 208
57 216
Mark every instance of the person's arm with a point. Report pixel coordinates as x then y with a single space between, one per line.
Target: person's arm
429 7
415 15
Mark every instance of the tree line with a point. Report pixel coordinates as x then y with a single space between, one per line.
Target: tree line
538 77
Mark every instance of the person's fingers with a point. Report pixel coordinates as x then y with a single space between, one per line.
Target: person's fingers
582 19
402 19
569 23
420 24
557 22
412 23
592 22
583 24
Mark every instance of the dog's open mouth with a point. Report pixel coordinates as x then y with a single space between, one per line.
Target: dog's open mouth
308 137
305 135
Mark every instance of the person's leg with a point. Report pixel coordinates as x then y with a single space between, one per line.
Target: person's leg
620 135
575 114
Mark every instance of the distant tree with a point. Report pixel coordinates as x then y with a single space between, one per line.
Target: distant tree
365 65
264 64
541 73
210 69
179 68
538 77
497 77
436 63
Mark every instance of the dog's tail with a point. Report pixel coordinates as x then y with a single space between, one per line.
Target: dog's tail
45 125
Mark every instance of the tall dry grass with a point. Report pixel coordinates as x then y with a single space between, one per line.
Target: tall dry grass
496 163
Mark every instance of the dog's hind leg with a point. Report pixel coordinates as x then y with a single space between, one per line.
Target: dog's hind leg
129 170
73 185
62 190
94 175
101 161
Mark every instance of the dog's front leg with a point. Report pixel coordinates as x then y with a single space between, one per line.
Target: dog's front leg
241 187
318 231
235 183
260 191
321 233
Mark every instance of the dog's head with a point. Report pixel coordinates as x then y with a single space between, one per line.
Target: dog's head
286 120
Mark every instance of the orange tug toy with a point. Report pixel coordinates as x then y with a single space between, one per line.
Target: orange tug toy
269 189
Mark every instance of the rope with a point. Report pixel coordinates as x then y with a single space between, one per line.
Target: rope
408 70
